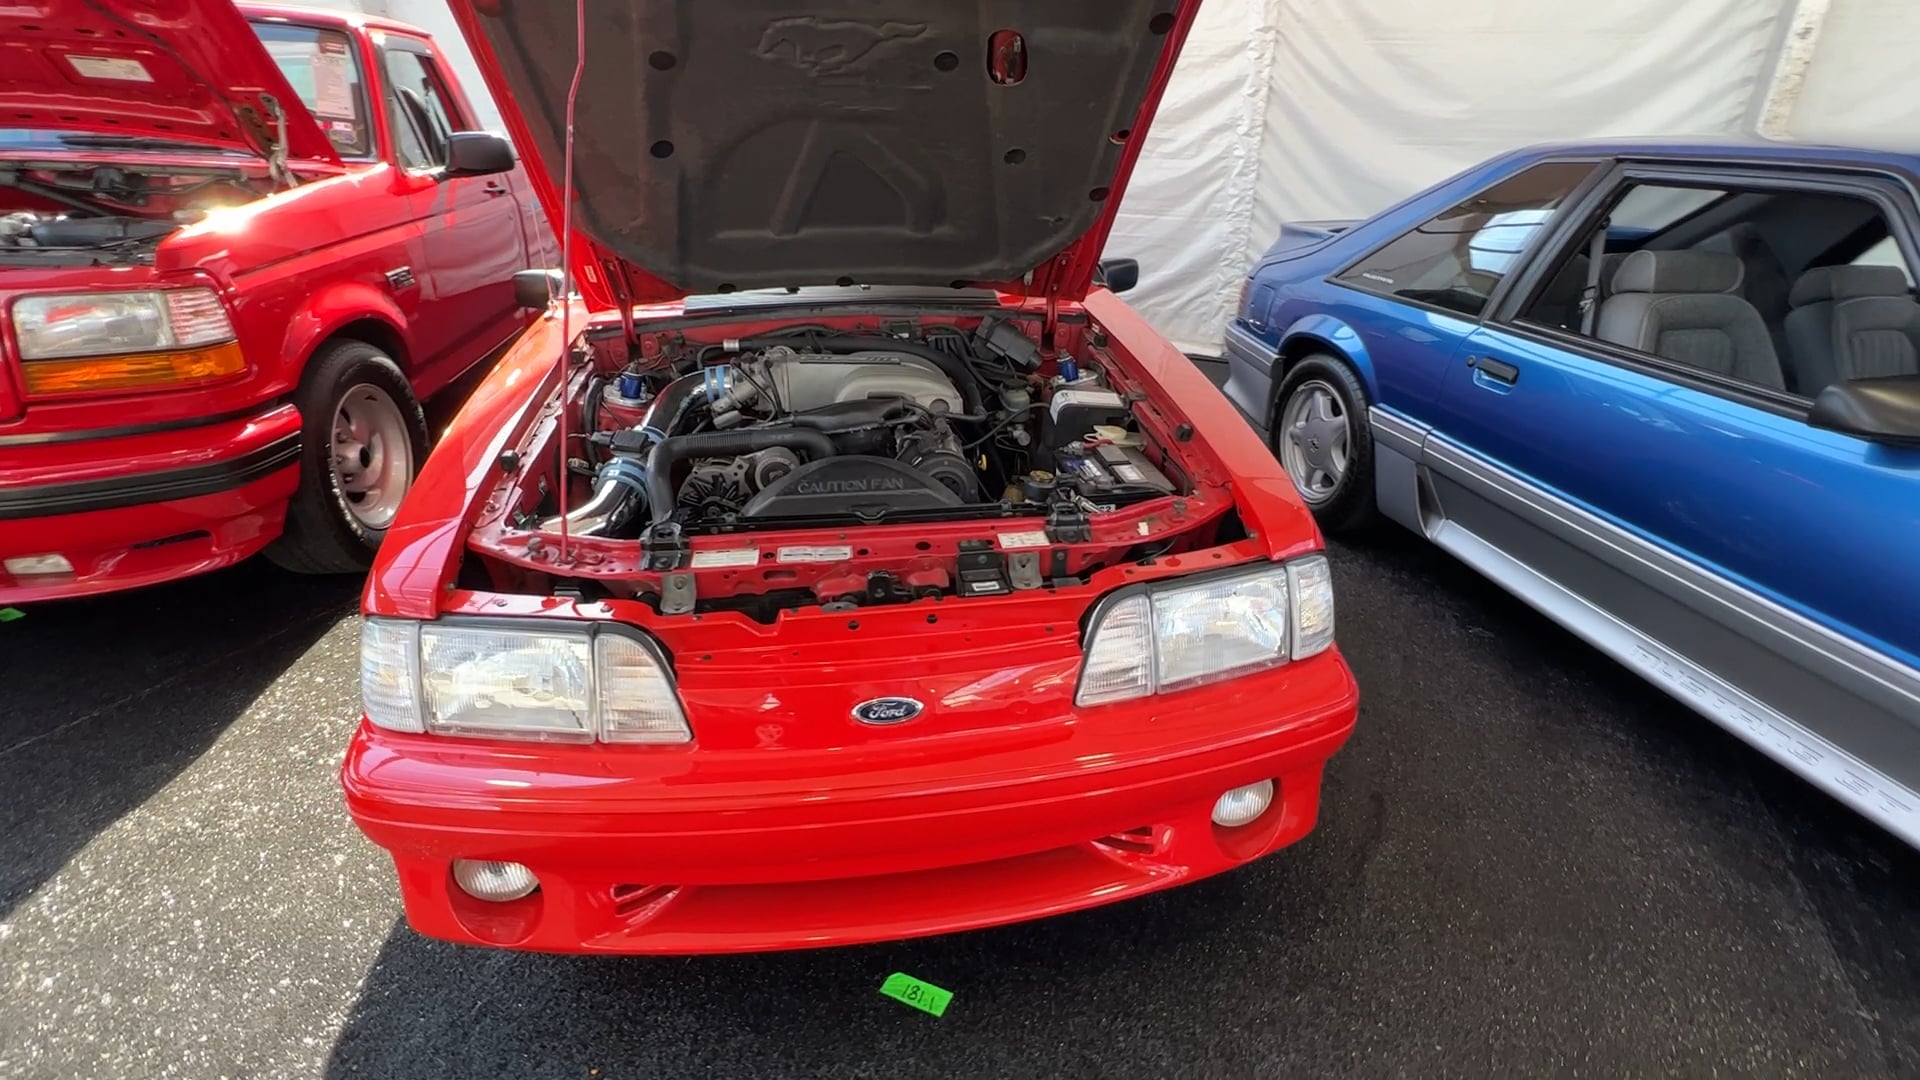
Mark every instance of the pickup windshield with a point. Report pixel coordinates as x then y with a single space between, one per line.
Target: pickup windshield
323 67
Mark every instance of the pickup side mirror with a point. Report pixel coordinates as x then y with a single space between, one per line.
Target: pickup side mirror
477 153
1885 410
1118 275
536 288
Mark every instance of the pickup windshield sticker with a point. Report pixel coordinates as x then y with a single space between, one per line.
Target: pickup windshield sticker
332 93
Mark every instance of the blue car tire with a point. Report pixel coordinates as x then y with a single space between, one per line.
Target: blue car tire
1321 437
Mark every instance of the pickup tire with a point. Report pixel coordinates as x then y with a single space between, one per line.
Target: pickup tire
1321 435
363 437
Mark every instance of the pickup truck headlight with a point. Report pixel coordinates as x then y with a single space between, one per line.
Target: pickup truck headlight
547 682
144 339
1180 633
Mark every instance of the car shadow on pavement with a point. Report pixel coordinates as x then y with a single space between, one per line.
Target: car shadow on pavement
109 699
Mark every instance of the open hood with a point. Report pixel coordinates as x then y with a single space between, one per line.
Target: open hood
738 144
187 70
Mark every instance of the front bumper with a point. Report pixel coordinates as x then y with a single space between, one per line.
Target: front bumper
141 509
648 852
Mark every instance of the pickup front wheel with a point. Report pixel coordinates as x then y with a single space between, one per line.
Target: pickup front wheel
363 437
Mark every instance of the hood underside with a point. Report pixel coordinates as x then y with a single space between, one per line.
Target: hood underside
185 70
735 144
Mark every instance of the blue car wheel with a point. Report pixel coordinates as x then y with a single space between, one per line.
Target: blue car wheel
1321 436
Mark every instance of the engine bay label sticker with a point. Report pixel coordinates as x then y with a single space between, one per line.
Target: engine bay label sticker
117 68
1014 540
839 553
707 560
924 996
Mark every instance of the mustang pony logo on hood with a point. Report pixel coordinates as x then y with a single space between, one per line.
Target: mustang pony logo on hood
829 46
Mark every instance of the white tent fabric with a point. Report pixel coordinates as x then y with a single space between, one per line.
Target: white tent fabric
1304 109
1188 214
1307 109
1860 87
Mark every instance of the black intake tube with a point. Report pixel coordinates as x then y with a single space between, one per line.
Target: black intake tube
856 427
955 368
670 408
660 462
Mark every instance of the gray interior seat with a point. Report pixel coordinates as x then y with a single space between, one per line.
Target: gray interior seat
1681 305
1763 281
1852 322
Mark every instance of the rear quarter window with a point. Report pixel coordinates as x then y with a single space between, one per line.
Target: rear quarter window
1455 260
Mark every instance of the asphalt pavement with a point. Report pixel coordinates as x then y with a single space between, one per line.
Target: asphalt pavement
1528 864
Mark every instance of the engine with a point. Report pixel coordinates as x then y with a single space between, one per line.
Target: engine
786 381
810 426
885 414
786 432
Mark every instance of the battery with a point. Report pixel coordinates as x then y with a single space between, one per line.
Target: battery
1117 475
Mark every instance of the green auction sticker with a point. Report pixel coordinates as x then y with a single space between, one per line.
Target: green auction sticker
921 995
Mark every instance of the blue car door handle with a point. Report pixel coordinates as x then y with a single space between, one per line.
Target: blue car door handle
1487 369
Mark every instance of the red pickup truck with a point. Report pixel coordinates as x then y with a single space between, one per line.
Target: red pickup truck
238 247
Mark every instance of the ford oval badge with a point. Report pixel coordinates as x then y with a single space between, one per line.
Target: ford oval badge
887 710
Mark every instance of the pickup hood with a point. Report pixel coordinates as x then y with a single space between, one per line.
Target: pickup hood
188 70
736 144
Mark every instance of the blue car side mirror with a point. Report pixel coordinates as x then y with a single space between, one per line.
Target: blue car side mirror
1885 410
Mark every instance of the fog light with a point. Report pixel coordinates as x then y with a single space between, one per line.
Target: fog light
496 881
27 565
1243 804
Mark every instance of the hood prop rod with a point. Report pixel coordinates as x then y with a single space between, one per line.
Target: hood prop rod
277 153
566 267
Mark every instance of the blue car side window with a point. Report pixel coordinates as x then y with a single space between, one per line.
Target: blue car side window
1455 261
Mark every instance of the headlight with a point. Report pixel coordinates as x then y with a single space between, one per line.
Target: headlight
1182 633
81 342
555 683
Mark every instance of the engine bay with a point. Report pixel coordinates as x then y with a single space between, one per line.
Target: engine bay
868 461
94 214
25 231
809 428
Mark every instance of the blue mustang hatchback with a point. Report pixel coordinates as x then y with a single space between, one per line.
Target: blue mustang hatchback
1667 394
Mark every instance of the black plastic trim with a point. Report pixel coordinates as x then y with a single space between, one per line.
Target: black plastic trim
47 438
85 496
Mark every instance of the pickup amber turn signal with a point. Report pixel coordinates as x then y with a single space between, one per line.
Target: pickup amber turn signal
147 371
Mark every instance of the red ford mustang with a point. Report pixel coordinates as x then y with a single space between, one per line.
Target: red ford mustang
866 569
